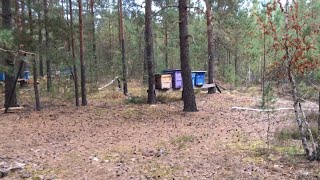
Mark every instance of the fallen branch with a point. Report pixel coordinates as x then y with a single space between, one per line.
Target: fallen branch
261 110
108 84
268 110
13 108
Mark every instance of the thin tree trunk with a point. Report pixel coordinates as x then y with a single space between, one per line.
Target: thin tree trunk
82 63
236 59
75 73
139 53
22 17
166 38
16 17
149 52
211 47
188 92
23 39
263 70
34 64
35 84
40 42
166 46
123 49
296 99
318 141
48 62
94 46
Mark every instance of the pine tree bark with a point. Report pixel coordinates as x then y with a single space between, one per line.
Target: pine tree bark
35 83
8 57
48 62
150 52
34 63
94 46
41 73
23 40
166 39
188 96
82 62
318 139
211 46
123 49
75 73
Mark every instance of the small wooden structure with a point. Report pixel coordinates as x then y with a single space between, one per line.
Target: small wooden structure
163 81
176 77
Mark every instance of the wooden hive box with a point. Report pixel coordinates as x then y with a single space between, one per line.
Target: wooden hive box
163 81
176 77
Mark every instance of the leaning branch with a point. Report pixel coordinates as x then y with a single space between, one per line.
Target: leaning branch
192 38
16 52
261 110
267 110
108 84
156 13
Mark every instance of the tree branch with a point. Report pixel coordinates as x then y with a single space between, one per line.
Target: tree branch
192 38
157 12
16 52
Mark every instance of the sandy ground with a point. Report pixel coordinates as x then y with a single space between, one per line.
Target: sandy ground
111 139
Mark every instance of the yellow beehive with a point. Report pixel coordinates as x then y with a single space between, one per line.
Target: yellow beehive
163 81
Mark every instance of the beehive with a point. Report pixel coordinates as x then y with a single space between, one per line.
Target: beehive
176 77
163 81
2 76
200 77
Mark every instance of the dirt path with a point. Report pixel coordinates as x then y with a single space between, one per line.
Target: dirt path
112 140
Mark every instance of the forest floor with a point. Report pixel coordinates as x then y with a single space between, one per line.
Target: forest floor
116 138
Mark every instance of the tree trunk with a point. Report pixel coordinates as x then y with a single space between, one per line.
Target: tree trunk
35 84
188 92
149 52
123 49
23 41
263 70
296 101
94 47
318 139
40 42
166 45
34 64
166 38
294 92
211 47
75 73
8 57
236 59
48 62
82 63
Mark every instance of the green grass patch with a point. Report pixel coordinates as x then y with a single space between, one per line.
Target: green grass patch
293 133
136 100
160 171
181 141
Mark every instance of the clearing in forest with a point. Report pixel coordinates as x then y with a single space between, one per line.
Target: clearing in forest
117 138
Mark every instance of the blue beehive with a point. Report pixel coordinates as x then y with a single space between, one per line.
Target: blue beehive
2 76
26 75
200 77
193 76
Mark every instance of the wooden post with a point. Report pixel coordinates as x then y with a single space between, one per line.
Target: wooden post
13 88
